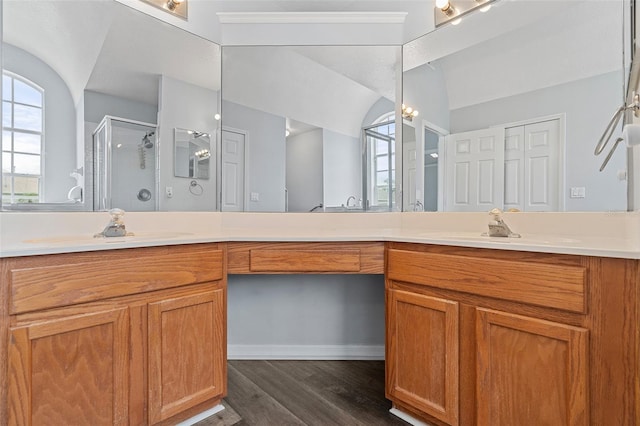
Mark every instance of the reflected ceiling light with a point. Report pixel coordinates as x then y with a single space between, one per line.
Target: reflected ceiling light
446 11
485 7
217 117
287 132
408 113
203 154
434 155
175 7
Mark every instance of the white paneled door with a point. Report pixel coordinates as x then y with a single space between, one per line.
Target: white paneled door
474 170
513 168
233 170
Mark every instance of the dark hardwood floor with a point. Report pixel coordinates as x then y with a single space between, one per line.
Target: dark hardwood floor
305 393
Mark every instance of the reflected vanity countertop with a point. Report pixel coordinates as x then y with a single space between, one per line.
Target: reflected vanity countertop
592 234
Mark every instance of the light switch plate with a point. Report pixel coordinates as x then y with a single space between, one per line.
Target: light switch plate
577 192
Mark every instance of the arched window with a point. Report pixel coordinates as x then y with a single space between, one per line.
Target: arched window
22 139
381 162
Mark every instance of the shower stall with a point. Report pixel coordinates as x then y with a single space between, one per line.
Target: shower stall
125 165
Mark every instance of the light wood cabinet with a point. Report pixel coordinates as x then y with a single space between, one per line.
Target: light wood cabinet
530 369
543 339
187 363
148 349
423 344
305 257
70 370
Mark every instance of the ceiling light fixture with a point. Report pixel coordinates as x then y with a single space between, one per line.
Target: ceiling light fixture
175 7
408 113
446 11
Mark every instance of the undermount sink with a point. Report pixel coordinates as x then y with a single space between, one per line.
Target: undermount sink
90 239
478 236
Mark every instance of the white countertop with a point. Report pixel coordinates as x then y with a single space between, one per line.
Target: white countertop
592 234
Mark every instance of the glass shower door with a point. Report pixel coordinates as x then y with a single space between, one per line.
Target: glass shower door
125 165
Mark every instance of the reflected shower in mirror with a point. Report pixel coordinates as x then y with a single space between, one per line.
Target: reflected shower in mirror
192 154
512 103
293 128
110 60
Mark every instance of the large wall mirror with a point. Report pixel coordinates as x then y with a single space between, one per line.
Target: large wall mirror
92 93
309 128
512 103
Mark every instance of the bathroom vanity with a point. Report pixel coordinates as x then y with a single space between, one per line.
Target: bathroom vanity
134 336
478 331
488 337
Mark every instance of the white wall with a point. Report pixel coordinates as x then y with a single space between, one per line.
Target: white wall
97 105
300 314
190 107
342 164
60 146
304 172
588 104
424 89
266 154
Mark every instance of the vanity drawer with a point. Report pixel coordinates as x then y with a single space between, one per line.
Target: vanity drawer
301 258
42 282
550 285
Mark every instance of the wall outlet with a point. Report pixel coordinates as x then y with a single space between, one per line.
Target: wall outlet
255 196
169 191
577 192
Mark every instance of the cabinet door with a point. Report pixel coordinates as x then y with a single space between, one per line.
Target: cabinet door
422 353
530 371
70 370
186 352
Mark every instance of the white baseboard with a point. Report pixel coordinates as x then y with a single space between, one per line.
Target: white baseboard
198 417
407 418
306 352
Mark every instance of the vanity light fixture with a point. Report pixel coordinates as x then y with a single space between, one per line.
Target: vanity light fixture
408 113
175 7
446 11
203 154
173 4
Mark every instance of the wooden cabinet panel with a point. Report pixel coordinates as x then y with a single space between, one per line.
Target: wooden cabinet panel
541 284
307 257
70 370
422 353
187 352
305 261
60 280
530 371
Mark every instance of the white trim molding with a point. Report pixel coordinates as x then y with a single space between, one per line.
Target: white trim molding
306 352
312 17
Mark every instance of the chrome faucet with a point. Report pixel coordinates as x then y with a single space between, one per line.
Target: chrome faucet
115 227
351 197
498 227
418 206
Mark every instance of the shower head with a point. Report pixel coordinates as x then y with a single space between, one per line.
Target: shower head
146 142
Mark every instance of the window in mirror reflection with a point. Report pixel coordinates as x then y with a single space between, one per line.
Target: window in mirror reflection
381 160
22 138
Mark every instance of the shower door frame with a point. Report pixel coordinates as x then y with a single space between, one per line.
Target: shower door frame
105 194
